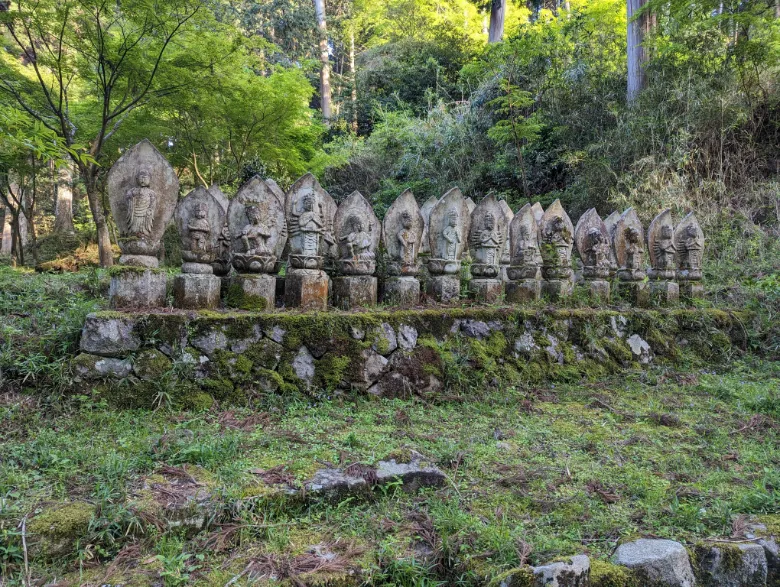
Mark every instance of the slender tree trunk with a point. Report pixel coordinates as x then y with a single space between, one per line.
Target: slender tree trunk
101 225
353 77
6 245
319 9
21 221
63 208
497 16
17 246
636 54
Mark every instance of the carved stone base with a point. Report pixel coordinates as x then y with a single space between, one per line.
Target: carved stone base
486 290
196 291
637 293
664 293
354 291
306 288
139 261
135 289
525 290
402 291
557 289
197 268
444 288
690 290
598 289
252 291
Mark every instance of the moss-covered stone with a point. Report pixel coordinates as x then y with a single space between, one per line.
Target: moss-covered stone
56 531
151 365
603 574
519 577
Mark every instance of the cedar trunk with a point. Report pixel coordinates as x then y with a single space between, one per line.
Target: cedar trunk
636 54
497 16
319 9
63 209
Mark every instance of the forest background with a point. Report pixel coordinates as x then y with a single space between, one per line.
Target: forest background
533 101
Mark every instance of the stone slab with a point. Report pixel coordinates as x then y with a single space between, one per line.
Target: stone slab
664 293
636 293
557 289
109 337
731 565
490 291
132 289
253 292
444 288
354 291
664 562
526 290
402 291
306 289
575 572
193 291
598 290
691 290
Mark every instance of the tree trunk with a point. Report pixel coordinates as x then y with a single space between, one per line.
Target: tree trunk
22 222
636 54
101 225
353 77
63 208
497 15
319 9
7 242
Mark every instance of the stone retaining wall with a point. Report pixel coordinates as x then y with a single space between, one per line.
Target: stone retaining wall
199 357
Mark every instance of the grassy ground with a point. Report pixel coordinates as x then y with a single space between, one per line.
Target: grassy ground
533 474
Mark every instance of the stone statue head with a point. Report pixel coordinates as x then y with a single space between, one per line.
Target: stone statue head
201 211
690 231
632 235
490 221
356 224
308 202
144 177
406 219
595 236
666 231
253 214
452 217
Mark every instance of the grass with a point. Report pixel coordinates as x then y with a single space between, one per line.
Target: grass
533 474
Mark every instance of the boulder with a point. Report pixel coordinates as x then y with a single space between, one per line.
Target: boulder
640 349
56 531
385 341
88 366
303 365
407 337
109 336
660 562
573 573
731 565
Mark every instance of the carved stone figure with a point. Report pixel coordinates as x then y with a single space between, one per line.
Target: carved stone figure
425 212
557 241
538 212
689 242
197 217
402 231
486 243
358 237
630 252
448 232
526 258
506 254
593 245
663 259
611 223
222 262
142 191
257 227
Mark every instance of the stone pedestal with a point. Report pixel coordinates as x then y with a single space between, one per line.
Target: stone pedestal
690 290
444 288
598 289
354 291
193 291
306 289
139 261
402 291
637 293
664 293
557 289
486 290
133 288
524 290
252 291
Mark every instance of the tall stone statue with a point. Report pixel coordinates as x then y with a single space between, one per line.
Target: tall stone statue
538 212
557 241
630 253
447 236
506 254
524 271
592 240
222 261
310 213
663 259
689 242
402 231
611 223
142 192
258 232
425 211
357 233
486 243
198 218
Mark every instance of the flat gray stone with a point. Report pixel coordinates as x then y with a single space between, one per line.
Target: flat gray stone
303 365
407 337
415 474
664 561
89 366
475 329
640 349
525 344
276 334
109 336
386 341
573 573
718 566
373 366
210 341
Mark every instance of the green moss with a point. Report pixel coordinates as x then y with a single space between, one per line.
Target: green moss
243 364
330 371
236 297
151 365
56 531
199 402
604 574
117 270
520 577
